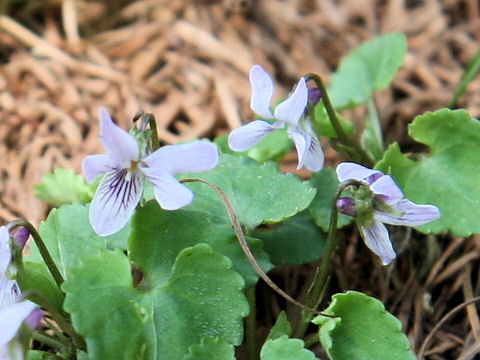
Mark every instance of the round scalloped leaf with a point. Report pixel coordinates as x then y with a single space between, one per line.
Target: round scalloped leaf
282 327
211 348
161 318
114 317
158 236
69 237
362 330
369 67
284 348
448 176
326 182
259 193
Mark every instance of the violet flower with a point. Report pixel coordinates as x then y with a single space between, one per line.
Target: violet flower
126 165
11 318
379 202
13 312
290 113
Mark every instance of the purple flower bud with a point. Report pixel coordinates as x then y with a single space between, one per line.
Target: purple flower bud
21 237
314 96
34 318
346 205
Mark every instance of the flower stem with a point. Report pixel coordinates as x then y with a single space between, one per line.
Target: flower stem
246 250
153 127
251 325
47 340
375 122
320 282
472 69
47 258
353 148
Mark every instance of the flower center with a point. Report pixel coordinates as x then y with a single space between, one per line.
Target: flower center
133 166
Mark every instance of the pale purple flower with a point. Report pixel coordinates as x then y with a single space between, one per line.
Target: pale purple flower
125 166
5 251
290 113
11 318
383 202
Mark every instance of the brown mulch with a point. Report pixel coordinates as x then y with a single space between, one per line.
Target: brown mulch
187 62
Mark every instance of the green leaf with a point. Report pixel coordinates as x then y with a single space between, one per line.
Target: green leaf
211 348
273 147
259 193
112 315
326 182
362 329
325 126
448 176
158 236
295 241
284 348
369 67
164 316
282 327
63 187
41 355
370 142
69 237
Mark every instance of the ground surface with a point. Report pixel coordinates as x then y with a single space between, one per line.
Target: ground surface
188 61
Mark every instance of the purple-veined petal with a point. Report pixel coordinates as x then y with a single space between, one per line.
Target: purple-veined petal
118 143
5 250
9 292
195 156
387 189
293 108
115 200
11 317
169 192
95 165
377 239
413 214
352 171
262 92
247 136
309 151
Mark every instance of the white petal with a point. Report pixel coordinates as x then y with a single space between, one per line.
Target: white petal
309 151
386 187
5 250
413 214
169 192
293 108
11 317
9 292
377 239
118 143
352 171
247 136
115 200
262 92
95 165
195 156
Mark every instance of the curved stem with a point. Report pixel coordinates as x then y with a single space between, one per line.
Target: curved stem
47 258
355 151
319 285
244 245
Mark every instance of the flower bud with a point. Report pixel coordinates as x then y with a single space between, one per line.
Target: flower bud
314 96
346 205
21 237
34 318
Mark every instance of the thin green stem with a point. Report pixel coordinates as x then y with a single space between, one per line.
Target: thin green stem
41 248
319 285
47 340
354 150
472 69
237 227
153 128
375 122
251 326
